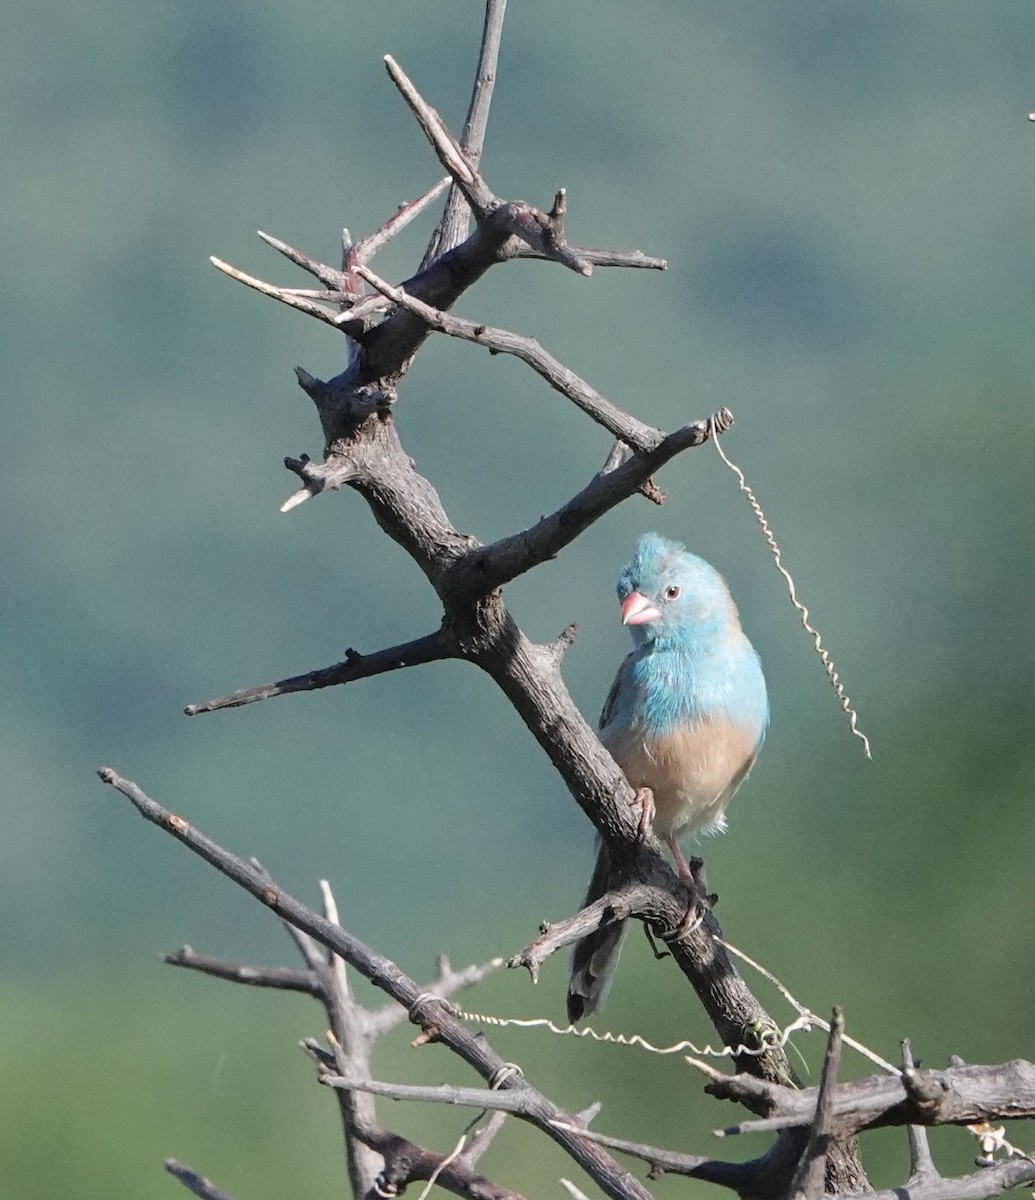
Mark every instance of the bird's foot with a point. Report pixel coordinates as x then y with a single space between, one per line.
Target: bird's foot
692 872
694 916
701 901
644 801
685 869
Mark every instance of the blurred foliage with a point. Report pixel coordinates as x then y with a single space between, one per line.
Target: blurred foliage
843 191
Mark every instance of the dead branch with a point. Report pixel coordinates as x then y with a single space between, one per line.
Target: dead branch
506 1102
961 1095
616 905
424 1010
810 1173
285 979
432 648
499 341
455 222
981 1185
405 1162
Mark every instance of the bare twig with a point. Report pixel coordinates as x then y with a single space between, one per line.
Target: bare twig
605 258
500 341
344 292
313 955
669 1162
432 648
332 277
280 978
542 232
340 281
921 1165
194 1182
477 193
809 1175
363 251
312 952
483 1137
285 295
617 905
455 222
981 1185
513 1101
351 1041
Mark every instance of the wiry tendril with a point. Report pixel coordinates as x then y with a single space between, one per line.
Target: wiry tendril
769 1038
719 424
803 1012
769 1035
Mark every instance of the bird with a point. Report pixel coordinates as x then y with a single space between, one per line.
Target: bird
685 719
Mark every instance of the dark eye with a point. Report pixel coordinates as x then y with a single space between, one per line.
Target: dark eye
672 591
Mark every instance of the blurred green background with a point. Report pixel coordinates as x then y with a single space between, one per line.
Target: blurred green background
843 190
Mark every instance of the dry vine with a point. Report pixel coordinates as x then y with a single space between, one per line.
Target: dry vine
814 1152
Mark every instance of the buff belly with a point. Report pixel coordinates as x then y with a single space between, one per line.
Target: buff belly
693 772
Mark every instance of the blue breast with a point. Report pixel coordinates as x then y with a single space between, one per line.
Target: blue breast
681 680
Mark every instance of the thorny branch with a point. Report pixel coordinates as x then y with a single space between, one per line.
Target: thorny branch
378 1159
423 1009
363 452
810 1173
499 341
814 1152
455 222
958 1095
433 648
347 1071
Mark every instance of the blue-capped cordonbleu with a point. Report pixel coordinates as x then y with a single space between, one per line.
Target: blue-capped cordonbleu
685 719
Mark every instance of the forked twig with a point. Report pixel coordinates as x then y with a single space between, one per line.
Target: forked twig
285 295
423 1010
500 341
455 223
807 1182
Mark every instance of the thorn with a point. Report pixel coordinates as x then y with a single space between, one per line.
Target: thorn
709 1072
295 500
313 387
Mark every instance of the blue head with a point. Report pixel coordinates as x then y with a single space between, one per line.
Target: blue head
667 592
692 658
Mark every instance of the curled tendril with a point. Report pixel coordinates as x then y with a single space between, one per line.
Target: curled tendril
719 424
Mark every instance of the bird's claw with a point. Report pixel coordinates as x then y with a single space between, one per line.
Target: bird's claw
694 916
692 873
692 919
644 800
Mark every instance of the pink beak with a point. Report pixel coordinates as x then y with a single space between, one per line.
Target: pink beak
638 610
